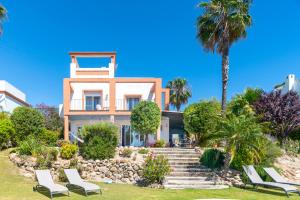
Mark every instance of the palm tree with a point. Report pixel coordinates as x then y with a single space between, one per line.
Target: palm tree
222 23
2 17
179 92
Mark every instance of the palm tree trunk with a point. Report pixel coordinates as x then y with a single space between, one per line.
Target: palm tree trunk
227 160
225 69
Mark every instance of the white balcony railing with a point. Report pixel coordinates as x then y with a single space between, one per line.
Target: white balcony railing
80 105
121 105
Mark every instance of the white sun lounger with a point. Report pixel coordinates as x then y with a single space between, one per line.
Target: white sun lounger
278 178
75 180
257 181
45 180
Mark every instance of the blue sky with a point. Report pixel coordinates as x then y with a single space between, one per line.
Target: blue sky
152 38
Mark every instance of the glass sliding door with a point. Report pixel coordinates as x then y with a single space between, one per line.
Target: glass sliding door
93 102
131 138
132 102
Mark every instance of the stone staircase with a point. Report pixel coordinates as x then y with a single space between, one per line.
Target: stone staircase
186 170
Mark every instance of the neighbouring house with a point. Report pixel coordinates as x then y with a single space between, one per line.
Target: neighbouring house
290 84
95 94
10 97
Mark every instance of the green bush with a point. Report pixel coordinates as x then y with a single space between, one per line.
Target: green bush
48 137
143 151
145 118
159 144
201 120
52 154
7 132
27 121
4 115
291 146
126 152
100 140
61 175
30 146
68 151
155 169
61 142
212 158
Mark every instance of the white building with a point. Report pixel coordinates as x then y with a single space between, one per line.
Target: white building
290 84
95 94
10 97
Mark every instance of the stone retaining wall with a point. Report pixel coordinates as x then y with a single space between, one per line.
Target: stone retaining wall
118 169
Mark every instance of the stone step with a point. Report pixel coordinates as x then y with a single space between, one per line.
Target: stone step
180 155
177 154
207 174
191 170
169 186
172 149
178 162
192 178
183 159
189 182
187 166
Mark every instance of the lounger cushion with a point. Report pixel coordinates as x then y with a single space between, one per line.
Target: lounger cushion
75 179
283 186
45 179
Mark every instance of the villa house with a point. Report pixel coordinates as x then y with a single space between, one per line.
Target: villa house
290 84
10 97
95 94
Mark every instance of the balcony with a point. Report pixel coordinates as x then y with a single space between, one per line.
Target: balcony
122 105
81 105
126 105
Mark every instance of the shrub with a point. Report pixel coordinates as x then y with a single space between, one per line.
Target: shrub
61 142
155 169
126 152
68 151
27 121
245 143
201 119
51 116
212 158
159 143
143 151
48 137
61 175
52 154
145 118
4 115
291 146
281 111
100 140
30 146
7 132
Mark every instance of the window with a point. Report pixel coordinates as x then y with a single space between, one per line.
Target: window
93 102
132 102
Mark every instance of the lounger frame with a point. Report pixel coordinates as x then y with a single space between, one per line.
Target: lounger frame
256 184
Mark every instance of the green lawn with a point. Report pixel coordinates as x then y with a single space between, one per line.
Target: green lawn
15 187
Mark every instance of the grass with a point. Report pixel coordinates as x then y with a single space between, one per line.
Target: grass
13 186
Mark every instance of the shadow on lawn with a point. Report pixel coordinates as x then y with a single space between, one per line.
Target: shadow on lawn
268 191
47 193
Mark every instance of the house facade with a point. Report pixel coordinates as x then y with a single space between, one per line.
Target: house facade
95 94
10 97
291 83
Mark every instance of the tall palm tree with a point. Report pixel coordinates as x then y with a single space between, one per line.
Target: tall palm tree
222 23
179 92
3 13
